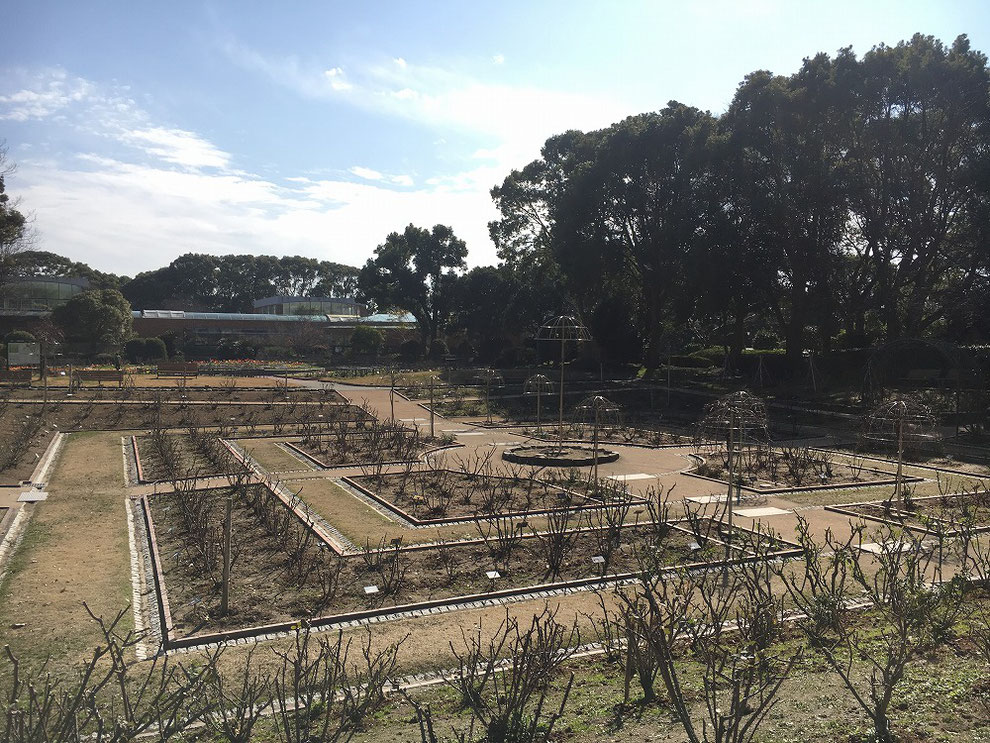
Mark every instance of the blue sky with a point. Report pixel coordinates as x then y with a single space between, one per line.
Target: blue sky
145 130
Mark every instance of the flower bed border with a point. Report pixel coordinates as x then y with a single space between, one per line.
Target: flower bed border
848 509
401 513
171 642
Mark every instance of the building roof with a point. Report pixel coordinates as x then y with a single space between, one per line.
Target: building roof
382 318
282 299
248 316
80 281
404 318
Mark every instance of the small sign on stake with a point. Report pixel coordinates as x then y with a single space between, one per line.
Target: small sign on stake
493 575
368 590
598 559
694 546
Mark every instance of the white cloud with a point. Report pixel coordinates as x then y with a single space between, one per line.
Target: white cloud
179 147
400 62
336 77
366 173
498 59
169 190
373 175
517 118
148 215
43 95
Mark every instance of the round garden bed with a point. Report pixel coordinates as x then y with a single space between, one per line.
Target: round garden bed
552 455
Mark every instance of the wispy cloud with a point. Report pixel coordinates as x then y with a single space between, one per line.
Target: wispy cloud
179 147
161 190
42 94
374 175
517 119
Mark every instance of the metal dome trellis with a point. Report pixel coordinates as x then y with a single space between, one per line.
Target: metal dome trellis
538 385
737 418
562 328
597 407
901 423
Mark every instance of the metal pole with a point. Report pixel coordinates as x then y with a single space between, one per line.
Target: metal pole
488 389
225 585
728 505
898 487
595 448
539 395
560 419
432 379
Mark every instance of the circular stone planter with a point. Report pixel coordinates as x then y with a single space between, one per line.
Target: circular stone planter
551 455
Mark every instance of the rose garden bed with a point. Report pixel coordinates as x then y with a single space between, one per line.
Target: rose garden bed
439 496
275 583
782 470
950 514
354 447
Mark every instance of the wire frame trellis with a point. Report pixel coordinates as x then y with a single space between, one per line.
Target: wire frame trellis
903 425
538 385
562 329
490 378
598 410
740 419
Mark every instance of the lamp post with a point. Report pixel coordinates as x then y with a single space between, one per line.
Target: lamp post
562 328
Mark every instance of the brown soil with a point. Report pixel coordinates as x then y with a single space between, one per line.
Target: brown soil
773 470
26 428
444 494
356 448
192 459
616 435
264 589
952 510
174 392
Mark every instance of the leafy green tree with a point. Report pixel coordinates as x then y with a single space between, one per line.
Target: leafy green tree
101 318
785 188
365 340
919 160
415 271
230 283
13 226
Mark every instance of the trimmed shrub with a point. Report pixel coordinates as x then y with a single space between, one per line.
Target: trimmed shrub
365 340
411 350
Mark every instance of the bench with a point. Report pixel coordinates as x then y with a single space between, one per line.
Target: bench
16 376
177 369
98 375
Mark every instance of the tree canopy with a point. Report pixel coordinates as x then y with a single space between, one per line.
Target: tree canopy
229 283
100 318
415 271
845 203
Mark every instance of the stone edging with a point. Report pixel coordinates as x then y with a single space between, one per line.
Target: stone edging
421 523
798 489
